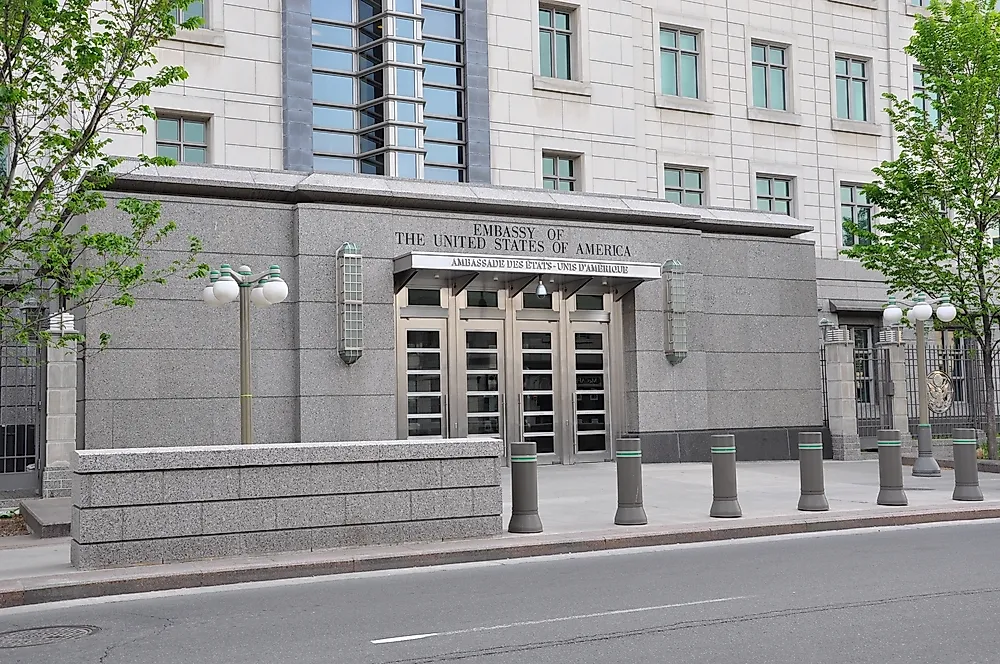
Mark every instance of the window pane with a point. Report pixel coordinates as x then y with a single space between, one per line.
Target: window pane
562 21
441 23
406 82
437 50
590 302
776 56
760 86
846 194
442 153
545 18
842 108
562 57
668 38
692 179
545 53
371 87
764 204
672 177
196 9
332 34
565 168
333 88
841 67
407 165
373 140
859 105
443 102
326 141
689 42
777 88
859 196
406 112
781 188
168 151
443 74
325 58
406 28
757 53
443 174
406 137
370 32
168 129
406 53
331 10
370 57
372 115
368 8
425 297
763 186
405 6
668 67
918 78
373 165
566 185
692 198
334 164
864 218
443 129
781 207
548 166
672 196
195 155
857 69
548 183
689 75
194 131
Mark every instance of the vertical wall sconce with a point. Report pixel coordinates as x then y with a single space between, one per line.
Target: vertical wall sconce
350 322
674 311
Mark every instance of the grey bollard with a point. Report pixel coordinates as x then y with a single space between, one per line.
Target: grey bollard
628 458
524 489
925 465
965 445
890 468
813 490
724 501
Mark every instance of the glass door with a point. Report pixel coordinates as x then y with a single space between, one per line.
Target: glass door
481 369
426 376
591 425
536 364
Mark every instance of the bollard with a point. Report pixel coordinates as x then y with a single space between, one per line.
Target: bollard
628 458
524 489
724 501
965 444
925 465
890 468
813 492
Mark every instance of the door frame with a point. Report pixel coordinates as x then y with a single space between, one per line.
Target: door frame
421 323
589 327
460 402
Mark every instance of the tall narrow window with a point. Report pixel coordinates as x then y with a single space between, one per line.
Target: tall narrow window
922 98
182 139
774 194
444 91
685 186
194 9
555 36
852 89
855 210
679 56
770 72
559 172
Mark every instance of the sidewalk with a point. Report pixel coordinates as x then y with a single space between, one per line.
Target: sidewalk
577 505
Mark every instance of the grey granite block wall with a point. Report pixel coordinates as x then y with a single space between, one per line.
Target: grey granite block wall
155 505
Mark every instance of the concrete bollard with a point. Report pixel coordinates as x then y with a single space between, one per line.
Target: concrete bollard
813 490
890 468
628 458
724 500
964 443
524 489
925 465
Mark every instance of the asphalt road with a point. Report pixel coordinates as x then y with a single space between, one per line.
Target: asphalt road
913 595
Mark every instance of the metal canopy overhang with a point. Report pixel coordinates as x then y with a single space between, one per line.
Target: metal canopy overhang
517 272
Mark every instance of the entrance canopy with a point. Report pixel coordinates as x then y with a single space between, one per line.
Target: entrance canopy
518 272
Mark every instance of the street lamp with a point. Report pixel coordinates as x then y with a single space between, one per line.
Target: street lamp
922 311
263 290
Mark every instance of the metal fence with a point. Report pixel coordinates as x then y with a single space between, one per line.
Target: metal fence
873 394
964 366
822 371
21 390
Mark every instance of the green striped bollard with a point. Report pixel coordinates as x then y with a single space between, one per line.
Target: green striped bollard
813 492
524 489
724 501
965 445
890 468
628 459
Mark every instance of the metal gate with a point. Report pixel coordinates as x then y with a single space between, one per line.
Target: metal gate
21 420
964 366
873 394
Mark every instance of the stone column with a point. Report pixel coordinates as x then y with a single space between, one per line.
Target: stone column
841 395
892 341
60 410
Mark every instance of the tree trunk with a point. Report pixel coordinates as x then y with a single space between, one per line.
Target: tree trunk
991 394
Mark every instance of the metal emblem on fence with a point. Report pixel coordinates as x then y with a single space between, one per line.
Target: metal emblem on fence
941 392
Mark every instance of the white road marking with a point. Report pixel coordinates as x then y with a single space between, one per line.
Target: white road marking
546 621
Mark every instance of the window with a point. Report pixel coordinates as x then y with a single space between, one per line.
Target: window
854 210
684 185
554 35
774 194
195 9
679 62
925 102
559 172
852 89
770 71
183 140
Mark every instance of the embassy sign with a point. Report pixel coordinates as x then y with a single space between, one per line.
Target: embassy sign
518 265
521 238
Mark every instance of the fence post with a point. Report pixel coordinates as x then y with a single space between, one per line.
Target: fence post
841 395
60 410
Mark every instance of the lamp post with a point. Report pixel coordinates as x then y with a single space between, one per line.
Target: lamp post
922 311
263 290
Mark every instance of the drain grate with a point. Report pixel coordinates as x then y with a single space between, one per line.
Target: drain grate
40 636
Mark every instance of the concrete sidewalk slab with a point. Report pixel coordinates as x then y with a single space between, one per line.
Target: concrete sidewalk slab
577 506
47 517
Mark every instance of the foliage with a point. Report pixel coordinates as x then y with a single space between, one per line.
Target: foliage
938 201
72 72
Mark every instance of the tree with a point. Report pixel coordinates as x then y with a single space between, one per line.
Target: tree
938 201
71 72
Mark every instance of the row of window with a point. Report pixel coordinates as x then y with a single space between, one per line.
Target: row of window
683 60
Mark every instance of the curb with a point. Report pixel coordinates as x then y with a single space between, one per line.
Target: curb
983 465
221 572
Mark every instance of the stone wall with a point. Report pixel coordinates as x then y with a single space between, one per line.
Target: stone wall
166 504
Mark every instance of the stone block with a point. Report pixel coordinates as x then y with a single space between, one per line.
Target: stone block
359 535
238 516
60 401
441 504
310 511
276 541
470 472
264 482
116 489
115 554
201 547
158 458
60 427
186 486
406 475
399 450
487 501
369 508
161 521
89 526
333 478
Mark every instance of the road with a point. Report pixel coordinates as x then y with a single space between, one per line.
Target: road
913 595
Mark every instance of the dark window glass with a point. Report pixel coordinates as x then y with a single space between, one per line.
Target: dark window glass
334 35
483 299
536 340
370 57
370 32
372 115
373 140
443 74
532 301
423 297
423 338
442 23
437 50
589 302
333 88
367 8
372 86
443 102
334 118
373 165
